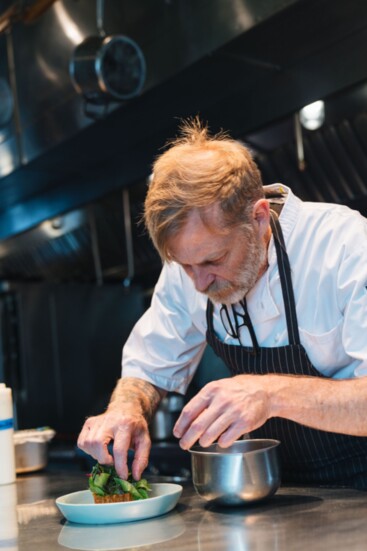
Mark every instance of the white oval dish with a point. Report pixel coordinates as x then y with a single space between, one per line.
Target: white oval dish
80 507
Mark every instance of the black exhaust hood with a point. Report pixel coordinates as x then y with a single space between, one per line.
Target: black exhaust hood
53 155
243 65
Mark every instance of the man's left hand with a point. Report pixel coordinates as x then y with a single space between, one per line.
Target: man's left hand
224 410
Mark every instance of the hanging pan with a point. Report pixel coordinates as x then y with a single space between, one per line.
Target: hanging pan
113 66
107 67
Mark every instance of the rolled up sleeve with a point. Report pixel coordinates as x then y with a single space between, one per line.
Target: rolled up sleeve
167 343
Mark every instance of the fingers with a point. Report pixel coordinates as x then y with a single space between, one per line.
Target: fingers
94 440
234 432
190 412
141 457
215 429
121 447
207 428
204 418
129 432
140 442
223 411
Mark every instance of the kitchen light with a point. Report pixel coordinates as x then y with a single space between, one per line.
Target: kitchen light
67 24
8 157
59 225
312 116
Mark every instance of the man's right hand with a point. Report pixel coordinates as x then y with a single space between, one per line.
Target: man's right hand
126 431
125 424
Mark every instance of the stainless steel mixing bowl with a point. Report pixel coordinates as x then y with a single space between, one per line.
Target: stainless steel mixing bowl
246 472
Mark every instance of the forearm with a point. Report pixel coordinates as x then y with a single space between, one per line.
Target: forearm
226 409
325 404
138 393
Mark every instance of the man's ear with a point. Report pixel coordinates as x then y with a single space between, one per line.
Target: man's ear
261 215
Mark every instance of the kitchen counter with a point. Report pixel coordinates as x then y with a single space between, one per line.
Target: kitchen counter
295 519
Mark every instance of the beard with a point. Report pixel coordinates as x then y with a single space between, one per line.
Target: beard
231 292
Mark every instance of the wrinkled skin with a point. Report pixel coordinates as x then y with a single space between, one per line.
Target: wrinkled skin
224 411
125 424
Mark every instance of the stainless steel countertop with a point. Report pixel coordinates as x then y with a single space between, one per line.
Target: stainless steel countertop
295 519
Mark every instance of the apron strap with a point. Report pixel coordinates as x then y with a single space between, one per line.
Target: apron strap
209 315
285 280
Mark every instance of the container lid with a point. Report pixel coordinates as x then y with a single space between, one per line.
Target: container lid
41 434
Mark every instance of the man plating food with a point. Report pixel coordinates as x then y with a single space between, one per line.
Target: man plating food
277 287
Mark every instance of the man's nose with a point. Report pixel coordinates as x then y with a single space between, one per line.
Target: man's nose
202 278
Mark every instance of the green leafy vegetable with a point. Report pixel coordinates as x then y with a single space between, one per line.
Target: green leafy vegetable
104 481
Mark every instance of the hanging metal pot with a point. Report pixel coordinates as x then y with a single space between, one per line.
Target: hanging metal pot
108 67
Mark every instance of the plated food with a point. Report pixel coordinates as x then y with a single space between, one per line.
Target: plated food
80 507
107 487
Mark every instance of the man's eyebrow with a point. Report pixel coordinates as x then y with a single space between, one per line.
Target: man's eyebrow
208 260
213 258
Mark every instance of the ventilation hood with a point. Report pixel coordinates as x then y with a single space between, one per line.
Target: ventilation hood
243 65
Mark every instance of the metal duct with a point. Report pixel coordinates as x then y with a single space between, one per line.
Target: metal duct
52 141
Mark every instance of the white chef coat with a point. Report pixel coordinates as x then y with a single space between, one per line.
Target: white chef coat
327 249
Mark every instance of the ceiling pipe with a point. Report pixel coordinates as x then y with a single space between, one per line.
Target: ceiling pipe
128 238
95 246
299 142
14 91
100 18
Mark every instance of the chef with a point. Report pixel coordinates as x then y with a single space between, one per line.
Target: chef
277 287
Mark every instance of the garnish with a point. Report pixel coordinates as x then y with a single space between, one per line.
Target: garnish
104 481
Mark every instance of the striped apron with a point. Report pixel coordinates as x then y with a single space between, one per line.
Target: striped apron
308 456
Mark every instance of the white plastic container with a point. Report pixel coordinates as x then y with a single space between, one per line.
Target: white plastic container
7 455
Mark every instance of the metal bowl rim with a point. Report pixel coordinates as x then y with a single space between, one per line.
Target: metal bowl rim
199 450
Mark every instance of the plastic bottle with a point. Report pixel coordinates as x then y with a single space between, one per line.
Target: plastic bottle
7 454
9 530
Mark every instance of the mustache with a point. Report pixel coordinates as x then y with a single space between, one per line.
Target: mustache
225 292
231 292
